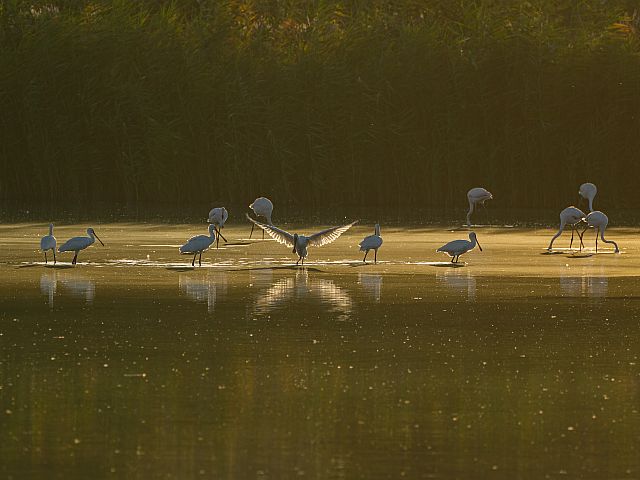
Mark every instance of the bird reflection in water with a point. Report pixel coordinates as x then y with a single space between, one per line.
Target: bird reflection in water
306 288
371 284
48 285
71 285
584 286
459 280
208 289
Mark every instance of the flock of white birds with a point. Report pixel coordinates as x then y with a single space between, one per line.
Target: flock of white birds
263 207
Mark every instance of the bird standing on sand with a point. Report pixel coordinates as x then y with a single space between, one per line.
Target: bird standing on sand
48 242
372 242
476 196
76 244
199 244
262 207
456 248
569 216
301 242
599 221
218 216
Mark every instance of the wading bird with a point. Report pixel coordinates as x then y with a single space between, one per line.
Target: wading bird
76 244
588 192
372 242
456 248
476 196
569 216
199 244
599 221
218 216
48 242
262 207
301 242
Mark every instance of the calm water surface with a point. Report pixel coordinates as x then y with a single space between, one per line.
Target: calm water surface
133 365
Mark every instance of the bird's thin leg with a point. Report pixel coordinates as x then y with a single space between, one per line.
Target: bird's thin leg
253 225
217 239
303 261
54 256
298 260
453 258
364 260
75 259
220 235
573 228
582 235
597 233
45 257
193 262
200 259
375 256
262 234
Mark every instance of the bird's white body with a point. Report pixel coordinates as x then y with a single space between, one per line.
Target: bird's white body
198 244
76 244
477 196
263 207
300 243
372 242
456 248
218 216
48 242
588 192
599 221
569 216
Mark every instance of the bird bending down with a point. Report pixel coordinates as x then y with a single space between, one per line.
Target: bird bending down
262 207
218 216
588 192
456 248
372 242
569 216
599 221
76 244
301 242
475 196
199 244
48 242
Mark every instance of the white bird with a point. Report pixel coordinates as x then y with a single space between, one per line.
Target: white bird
218 216
262 207
301 242
475 196
76 244
456 248
372 242
599 221
569 216
199 244
48 242
588 192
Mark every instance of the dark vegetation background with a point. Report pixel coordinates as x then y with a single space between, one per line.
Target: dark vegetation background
319 103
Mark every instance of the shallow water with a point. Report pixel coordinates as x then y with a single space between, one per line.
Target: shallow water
517 364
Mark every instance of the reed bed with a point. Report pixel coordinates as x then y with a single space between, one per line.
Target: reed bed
319 103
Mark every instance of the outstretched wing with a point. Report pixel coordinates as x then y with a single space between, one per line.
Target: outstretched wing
276 233
329 235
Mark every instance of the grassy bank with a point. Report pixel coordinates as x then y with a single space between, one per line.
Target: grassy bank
313 103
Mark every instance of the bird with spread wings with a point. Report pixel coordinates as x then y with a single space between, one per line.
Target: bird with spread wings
301 242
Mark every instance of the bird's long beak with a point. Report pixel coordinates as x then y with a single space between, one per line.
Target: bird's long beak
478 244
94 234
